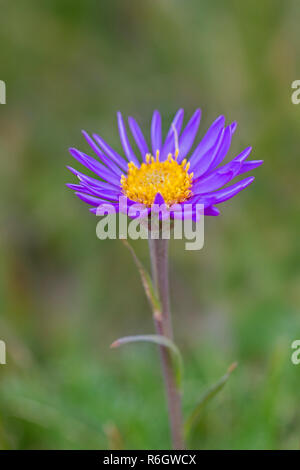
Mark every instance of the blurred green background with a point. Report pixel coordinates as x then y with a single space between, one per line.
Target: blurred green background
65 295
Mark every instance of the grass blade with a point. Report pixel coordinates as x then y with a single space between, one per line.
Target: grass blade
206 397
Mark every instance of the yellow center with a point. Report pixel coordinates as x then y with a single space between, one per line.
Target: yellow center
169 178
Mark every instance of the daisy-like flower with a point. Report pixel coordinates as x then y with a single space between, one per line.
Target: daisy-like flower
167 172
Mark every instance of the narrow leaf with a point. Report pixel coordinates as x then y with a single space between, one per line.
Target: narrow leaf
146 281
206 397
162 341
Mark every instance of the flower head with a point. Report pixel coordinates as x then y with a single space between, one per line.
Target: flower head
164 173
169 178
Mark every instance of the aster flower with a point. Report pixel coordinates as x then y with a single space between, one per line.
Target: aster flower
167 172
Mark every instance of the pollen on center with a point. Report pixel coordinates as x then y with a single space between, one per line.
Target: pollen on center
169 178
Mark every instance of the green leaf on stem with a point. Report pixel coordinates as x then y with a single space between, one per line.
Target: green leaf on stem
162 341
146 281
206 397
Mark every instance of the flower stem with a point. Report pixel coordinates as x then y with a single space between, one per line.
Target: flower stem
163 325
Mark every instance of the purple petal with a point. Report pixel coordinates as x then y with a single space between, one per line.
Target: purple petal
92 181
77 187
156 132
213 181
92 144
233 127
206 199
110 152
112 194
114 168
211 210
249 166
93 201
102 185
138 137
95 166
188 135
91 192
201 165
231 191
169 145
236 164
208 142
233 166
125 141
243 155
159 199
223 149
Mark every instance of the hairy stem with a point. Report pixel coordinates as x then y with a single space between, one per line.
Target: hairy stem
163 325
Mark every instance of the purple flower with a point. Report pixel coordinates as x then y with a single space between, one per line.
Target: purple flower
164 173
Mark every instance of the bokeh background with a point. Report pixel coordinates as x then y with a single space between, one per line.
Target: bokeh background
65 295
